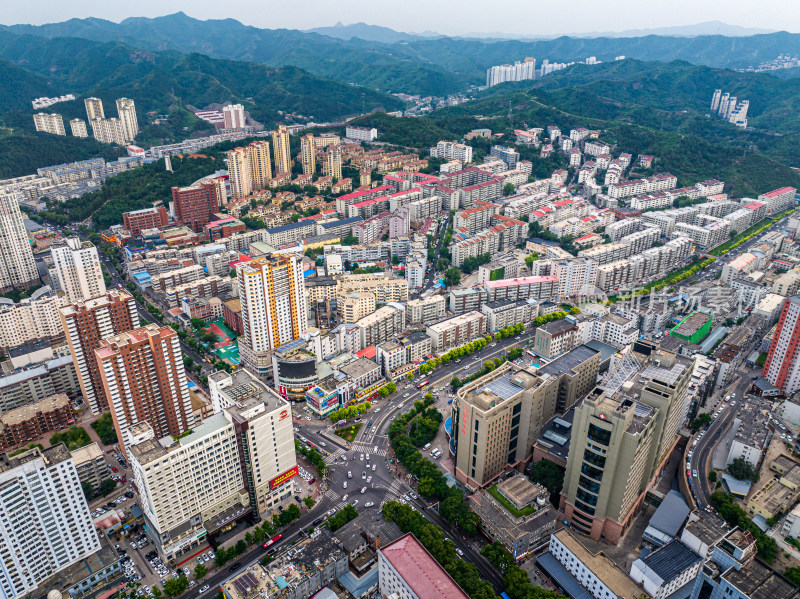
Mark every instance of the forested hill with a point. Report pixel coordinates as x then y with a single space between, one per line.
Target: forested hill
427 66
161 83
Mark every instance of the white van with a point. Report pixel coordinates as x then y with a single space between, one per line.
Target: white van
427 447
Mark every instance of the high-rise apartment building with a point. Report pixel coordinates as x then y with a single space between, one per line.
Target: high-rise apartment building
233 114
144 382
17 267
621 436
194 205
260 164
281 150
49 123
248 464
77 267
126 110
85 324
519 71
94 109
274 308
308 154
782 367
335 162
78 128
45 523
108 131
239 174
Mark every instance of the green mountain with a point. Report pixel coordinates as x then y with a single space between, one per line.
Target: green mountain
157 80
161 83
414 65
351 61
692 146
20 87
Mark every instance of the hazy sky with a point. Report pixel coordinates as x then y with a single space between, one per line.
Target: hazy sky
522 17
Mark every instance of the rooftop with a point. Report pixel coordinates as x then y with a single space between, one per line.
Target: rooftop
606 570
87 453
759 581
670 515
51 456
670 561
26 412
569 361
359 368
709 528
423 574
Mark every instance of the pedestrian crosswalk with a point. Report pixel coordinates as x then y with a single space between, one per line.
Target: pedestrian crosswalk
335 456
395 489
367 449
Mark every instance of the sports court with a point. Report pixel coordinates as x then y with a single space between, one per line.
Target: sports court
226 347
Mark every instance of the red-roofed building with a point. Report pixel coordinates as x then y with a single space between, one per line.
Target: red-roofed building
759 210
406 569
368 352
778 199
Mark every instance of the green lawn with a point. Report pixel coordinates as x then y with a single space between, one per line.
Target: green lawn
510 506
349 433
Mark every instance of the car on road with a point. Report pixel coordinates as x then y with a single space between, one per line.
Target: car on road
354 503
363 475
369 504
344 498
363 490
459 552
373 467
204 588
344 485
694 473
349 474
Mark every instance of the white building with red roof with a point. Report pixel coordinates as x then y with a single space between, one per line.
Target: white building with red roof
406 570
778 199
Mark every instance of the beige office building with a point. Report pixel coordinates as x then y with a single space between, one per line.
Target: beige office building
239 173
108 131
496 419
17 267
281 150
384 288
334 162
78 128
126 110
49 123
357 306
260 164
94 109
620 439
77 267
308 154
247 459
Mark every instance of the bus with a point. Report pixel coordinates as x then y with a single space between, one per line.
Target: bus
422 384
272 541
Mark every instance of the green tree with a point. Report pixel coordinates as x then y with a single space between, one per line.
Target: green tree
547 474
200 571
700 421
241 547
455 382
741 469
508 189
88 490
452 276
309 502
